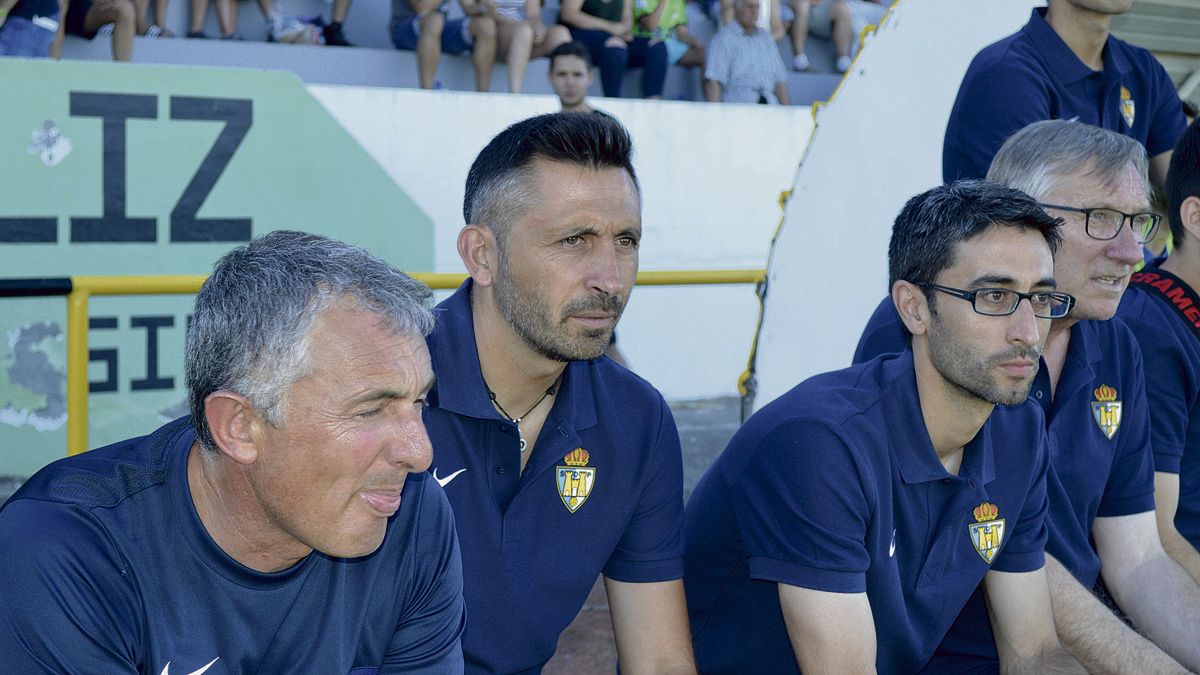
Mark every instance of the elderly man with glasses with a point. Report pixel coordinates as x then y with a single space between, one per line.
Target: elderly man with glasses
1091 388
850 520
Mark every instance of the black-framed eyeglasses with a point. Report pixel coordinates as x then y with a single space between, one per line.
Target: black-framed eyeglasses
1105 223
1004 301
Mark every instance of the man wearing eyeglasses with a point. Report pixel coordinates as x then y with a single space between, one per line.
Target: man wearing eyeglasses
849 521
1091 387
1164 312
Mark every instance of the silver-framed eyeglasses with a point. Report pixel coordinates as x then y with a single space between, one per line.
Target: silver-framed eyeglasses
1004 301
1105 223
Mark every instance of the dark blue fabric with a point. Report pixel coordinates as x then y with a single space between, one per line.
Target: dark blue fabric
21 37
1090 475
835 486
612 60
31 8
108 569
654 59
1033 75
529 562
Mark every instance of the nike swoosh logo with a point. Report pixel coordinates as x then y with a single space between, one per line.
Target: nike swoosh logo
446 481
892 548
167 668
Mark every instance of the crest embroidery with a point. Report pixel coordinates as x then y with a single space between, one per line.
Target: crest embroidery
575 480
1128 111
987 532
1106 410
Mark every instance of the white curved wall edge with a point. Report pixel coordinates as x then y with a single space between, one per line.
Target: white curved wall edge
876 144
710 174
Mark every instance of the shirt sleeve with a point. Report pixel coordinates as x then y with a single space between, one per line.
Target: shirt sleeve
1130 487
651 548
803 525
997 98
1168 123
1025 551
1167 367
717 68
66 601
428 637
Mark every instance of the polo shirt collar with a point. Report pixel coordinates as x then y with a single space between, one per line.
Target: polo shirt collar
1063 62
460 388
909 438
1083 351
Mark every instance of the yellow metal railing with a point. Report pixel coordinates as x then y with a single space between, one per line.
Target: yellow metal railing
84 287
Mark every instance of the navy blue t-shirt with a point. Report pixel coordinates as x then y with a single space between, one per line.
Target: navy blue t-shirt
835 486
1033 75
1171 354
107 568
1100 458
601 493
31 8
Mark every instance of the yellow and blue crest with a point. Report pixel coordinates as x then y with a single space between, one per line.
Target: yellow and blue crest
987 532
575 480
1106 410
1128 111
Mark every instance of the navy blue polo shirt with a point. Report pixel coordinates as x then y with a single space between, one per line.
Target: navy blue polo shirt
1033 75
835 486
1171 355
1100 458
601 493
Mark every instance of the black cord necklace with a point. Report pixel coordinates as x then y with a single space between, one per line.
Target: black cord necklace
517 420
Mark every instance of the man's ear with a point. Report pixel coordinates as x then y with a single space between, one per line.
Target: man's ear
912 306
232 420
1189 215
477 248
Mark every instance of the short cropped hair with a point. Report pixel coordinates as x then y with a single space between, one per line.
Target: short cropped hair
499 185
1183 178
572 48
931 225
250 329
1033 159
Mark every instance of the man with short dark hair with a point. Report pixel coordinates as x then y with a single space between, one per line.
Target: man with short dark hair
570 76
1163 311
560 465
287 526
849 520
1091 388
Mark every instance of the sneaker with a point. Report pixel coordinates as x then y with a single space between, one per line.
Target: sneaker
843 64
106 29
800 62
336 37
197 34
233 36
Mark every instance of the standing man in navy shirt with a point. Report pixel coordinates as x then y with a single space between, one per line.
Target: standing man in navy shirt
288 526
1064 64
1091 387
1162 309
849 520
560 464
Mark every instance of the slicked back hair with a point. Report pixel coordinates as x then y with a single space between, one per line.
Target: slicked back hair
1033 159
253 317
1183 178
572 48
931 225
500 183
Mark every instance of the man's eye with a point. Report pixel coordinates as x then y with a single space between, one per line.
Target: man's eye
367 414
1041 300
627 242
573 240
995 296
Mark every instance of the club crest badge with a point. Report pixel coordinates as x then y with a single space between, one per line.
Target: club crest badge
1127 108
987 532
1106 410
575 480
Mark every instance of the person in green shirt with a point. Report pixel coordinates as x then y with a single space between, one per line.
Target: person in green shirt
666 21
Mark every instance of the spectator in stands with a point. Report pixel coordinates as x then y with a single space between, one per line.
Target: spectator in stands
521 34
744 65
227 19
144 27
118 18
606 27
772 17
421 25
840 20
1063 64
571 75
30 28
1160 309
666 21
333 33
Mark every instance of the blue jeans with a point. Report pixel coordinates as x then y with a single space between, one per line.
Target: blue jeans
21 37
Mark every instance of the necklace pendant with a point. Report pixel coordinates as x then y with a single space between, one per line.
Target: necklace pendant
522 445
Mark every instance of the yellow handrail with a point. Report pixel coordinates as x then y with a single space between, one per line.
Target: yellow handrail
84 287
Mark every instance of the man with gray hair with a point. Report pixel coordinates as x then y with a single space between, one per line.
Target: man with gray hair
288 525
1090 386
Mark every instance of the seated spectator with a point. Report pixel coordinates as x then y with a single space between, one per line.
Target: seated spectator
570 76
227 19
840 20
772 17
87 18
521 35
666 21
744 65
333 33
30 28
144 27
421 25
606 27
